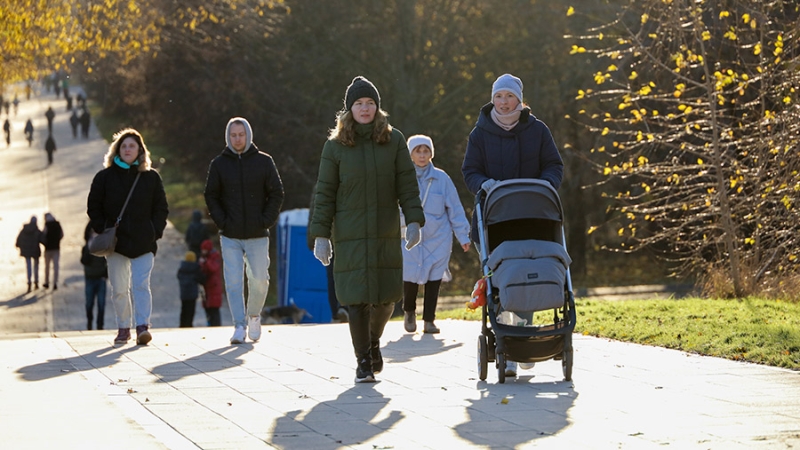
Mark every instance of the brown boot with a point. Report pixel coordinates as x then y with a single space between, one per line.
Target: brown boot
123 336
142 335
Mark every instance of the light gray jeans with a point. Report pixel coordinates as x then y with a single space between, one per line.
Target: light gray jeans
131 278
240 256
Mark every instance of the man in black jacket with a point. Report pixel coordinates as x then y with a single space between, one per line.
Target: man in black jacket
244 194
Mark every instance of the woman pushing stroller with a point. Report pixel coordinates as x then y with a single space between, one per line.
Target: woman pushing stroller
509 142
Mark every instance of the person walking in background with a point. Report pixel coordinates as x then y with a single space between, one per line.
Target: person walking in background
364 174
16 105
7 130
196 232
128 174
427 263
50 115
7 107
509 142
189 278
74 121
51 238
244 194
95 273
211 265
29 132
86 121
50 148
28 243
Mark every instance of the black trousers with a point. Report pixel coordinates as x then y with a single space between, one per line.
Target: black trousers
187 312
431 298
366 326
212 317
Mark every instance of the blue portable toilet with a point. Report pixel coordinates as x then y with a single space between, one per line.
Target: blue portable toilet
302 279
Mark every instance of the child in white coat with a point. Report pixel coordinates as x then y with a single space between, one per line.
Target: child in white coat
427 263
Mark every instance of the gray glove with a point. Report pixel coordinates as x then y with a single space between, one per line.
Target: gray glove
488 184
322 250
412 235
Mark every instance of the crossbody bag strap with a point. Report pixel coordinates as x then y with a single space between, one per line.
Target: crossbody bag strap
119 218
427 190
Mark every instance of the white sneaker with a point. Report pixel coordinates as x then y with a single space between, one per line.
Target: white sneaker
526 366
511 368
254 328
238 336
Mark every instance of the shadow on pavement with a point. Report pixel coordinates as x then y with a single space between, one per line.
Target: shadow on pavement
21 300
427 345
212 361
359 406
57 367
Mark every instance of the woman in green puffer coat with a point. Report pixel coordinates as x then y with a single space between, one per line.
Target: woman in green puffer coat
364 174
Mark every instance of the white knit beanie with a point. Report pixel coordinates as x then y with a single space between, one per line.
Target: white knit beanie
510 83
420 139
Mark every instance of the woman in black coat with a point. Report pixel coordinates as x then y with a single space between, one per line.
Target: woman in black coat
28 244
141 225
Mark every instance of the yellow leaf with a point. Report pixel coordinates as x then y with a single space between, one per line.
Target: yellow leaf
591 230
633 75
645 17
724 14
605 131
699 162
706 35
570 11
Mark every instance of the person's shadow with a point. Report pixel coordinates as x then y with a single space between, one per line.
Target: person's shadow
212 361
359 406
20 300
61 366
407 348
523 413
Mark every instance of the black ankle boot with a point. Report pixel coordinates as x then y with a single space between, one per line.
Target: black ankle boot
377 358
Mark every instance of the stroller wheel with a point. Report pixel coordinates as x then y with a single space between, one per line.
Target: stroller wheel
483 358
501 368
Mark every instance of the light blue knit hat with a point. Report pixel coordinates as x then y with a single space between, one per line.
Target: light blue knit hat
510 83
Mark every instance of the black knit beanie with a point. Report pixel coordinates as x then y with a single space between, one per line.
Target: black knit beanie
359 88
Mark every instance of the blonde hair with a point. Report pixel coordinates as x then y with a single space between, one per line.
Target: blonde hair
345 131
145 163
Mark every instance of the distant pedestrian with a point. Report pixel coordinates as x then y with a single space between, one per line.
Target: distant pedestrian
189 278
57 87
29 132
51 238
28 244
28 90
81 100
7 107
86 121
7 131
196 232
74 121
69 103
16 105
50 114
211 265
128 172
50 148
95 273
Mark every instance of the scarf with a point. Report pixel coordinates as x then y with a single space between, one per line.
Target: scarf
118 161
507 121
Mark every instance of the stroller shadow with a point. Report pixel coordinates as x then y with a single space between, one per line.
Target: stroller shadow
526 415
212 361
426 345
359 406
57 367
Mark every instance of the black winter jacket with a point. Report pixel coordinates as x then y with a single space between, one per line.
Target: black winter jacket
145 217
52 234
244 193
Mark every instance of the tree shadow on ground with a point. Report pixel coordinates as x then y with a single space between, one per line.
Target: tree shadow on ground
354 417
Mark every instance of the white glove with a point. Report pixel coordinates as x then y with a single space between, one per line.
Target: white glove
412 235
322 250
488 184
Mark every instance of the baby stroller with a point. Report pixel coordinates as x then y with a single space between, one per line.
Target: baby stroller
526 267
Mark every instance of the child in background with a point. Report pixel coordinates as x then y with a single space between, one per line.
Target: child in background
189 276
211 265
95 273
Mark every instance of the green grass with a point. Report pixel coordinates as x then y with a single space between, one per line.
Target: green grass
754 330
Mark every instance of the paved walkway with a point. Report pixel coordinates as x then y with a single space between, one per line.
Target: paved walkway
65 388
